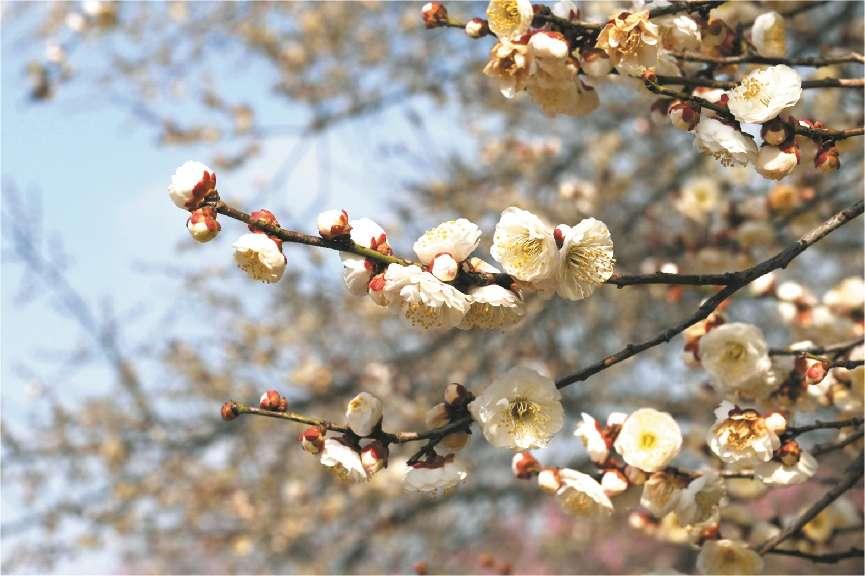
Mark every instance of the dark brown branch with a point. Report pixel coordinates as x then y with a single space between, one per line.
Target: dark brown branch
834 349
828 558
740 280
815 61
729 84
821 449
818 425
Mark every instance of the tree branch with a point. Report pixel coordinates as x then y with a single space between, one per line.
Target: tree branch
828 558
818 425
815 61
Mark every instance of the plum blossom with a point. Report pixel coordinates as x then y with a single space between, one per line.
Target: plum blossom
578 493
436 478
769 36
776 162
190 184
737 357
649 439
741 436
763 94
698 503
585 258
728 557
260 257
589 431
509 19
458 238
724 142
363 413
423 299
631 41
524 245
343 460
357 270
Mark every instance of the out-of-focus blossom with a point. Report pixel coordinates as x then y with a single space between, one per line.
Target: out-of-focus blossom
698 503
589 431
661 493
509 19
363 413
631 41
737 357
343 460
699 199
728 557
679 32
768 34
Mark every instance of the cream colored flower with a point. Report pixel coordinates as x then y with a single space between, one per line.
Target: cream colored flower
765 93
661 493
723 142
847 297
741 436
363 413
569 98
699 502
589 431
343 460
423 299
631 41
459 238
510 19
190 184
581 495
510 65
728 557
586 258
700 197
493 308
769 36
775 163
436 480
649 439
679 32
522 410
525 246
554 85
260 257
357 270
735 355
777 472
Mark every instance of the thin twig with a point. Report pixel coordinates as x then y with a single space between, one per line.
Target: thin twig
818 425
821 449
815 61
828 558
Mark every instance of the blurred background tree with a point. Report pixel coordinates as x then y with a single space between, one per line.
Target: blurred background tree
115 458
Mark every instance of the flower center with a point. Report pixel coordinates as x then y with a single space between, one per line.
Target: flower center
504 14
590 263
734 351
724 157
648 441
525 417
754 91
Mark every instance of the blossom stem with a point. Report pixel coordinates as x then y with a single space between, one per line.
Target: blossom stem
818 425
827 558
728 84
821 449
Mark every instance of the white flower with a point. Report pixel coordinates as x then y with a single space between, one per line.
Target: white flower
699 198
492 308
595 62
586 258
787 468
333 223
423 299
581 495
510 19
846 297
459 238
649 439
260 257
521 410
202 224
614 482
728 557
699 502
434 480
631 41
510 65
444 267
769 36
363 413
524 246
571 98
589 431
736 356
765 93
723 142
661 493
775 163
357 270
476 28
190 184
553 84
343 460
741 437
679 33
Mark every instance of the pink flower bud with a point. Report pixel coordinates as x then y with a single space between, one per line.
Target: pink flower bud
333 224
229 411
263 216
434 15
444 267
202 224
827 159
559 233
312 440
477 28
684 115
524 465
273 401
776 131
374 457
191 184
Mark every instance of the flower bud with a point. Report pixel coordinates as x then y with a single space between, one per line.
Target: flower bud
524 465
684 115
374 456
312 440
444 267
229 411
827 159
776 422
477 28
457 395
376 289
776 131
437 416
595 62
434 15
456 441
363 414
549 480
333 224
263 216
274 401
659 111
191 184
202 224
614 482
789 453
616 419
775 163
559 233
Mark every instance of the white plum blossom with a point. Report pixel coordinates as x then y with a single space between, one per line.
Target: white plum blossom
728 557
333 223
724 142
524 245
769 36
741 436
765 93
343 460
774 162
190 184
510 19
847 297
649 439
357 270
585 259
790 466
737 357
363 413
565 9
679 32
423 299
582 495
631 41
492 308
260 257
436 479
699 198
553 84
595 62
521 410
698 503
614 482
661 493
458 238
589 431
510 65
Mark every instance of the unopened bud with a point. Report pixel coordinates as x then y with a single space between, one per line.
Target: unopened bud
381 245
434 15
456 441
776 131
477 28
776 422
708 532
595 62
549 480
789 453
191 184
444 267
437 416
684 114
827 159
816 372
333 224
559 233
229 411
616 418
312 440
202 224
262 216
457 395
614 482
374 456
524 465
274 401
363 414
775 162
